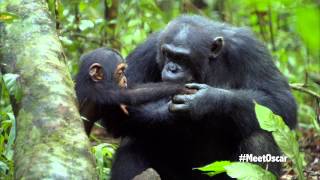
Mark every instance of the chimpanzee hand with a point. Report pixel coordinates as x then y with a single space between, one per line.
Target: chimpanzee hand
205 100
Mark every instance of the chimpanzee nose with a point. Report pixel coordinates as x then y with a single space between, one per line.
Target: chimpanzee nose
172 68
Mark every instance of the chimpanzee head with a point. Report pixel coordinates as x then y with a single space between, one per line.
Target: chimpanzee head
100 70
103 67
185 50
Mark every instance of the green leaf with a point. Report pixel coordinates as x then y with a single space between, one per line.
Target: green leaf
11 138
283 135
82 6
10 81
214 168
265 117
237 170
3 167
286 141
248 171
65 40
7 17
102 152
86 24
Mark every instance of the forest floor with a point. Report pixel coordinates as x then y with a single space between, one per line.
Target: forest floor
310 144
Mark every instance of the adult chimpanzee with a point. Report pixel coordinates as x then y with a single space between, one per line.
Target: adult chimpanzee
217 122
102 94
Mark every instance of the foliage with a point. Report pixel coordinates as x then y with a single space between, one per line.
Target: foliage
13 87
214 168
284 137
103 153
239 170
7 17
7 127
244 171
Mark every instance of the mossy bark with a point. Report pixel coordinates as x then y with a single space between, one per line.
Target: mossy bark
50 141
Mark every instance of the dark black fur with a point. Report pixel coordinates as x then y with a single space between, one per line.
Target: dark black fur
102 99
216 123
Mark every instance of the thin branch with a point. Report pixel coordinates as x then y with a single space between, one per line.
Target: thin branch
271 29
300 88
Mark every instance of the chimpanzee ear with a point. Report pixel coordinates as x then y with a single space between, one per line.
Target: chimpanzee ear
96 72
216 46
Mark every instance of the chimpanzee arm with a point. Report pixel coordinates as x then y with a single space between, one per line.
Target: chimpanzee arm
237 105
139 94
149 92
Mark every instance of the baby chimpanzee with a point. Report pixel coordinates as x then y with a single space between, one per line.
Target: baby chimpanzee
102 93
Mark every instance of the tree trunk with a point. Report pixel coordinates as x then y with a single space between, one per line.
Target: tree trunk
50 141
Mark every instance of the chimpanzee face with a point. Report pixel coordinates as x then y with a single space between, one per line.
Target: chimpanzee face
176 64
98 72
185 53
119 75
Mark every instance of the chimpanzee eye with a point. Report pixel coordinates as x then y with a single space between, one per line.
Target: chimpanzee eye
165 53
171 55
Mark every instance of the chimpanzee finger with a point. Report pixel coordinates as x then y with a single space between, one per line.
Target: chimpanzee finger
178 107
124 107
189 91
180 99
195 86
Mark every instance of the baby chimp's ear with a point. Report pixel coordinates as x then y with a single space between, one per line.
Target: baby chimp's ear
96 72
